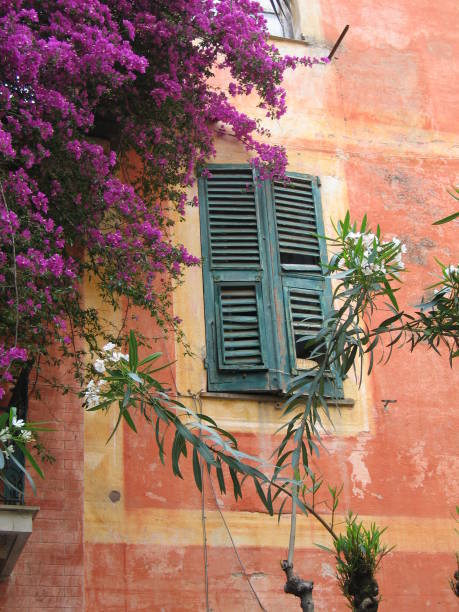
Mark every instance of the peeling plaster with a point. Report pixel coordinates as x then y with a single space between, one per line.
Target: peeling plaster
419 461
155 497
327 570
448 471
360 475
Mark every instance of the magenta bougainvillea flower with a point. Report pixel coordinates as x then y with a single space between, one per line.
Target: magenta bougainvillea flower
107 110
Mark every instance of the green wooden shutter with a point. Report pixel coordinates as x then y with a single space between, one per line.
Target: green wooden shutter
264 291
306 293
238 305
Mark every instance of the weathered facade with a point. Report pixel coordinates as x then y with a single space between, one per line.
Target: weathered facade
116 530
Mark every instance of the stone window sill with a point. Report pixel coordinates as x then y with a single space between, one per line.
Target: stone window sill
15 530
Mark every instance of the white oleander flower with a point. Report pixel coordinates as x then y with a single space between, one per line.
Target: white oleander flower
92 399
15 422
368 240
5 434
117 355
91 395
99 366
109 347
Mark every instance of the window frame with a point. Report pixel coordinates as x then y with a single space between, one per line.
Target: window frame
274 284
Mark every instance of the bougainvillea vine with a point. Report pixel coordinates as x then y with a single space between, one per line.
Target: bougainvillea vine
107 109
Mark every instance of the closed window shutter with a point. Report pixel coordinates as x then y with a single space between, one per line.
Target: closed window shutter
306 293
236 288
264 290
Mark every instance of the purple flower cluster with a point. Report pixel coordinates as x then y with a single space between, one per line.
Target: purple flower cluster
107 109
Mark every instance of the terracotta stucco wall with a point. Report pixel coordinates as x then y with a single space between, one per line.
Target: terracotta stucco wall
378 127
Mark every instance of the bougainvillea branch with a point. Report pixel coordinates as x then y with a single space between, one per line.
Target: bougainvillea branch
91 92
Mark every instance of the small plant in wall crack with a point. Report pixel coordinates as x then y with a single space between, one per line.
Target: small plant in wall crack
358 553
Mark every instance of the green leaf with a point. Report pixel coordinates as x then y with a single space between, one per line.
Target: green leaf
126 398
304 453
220 476
30 459
118 421
26 473
390 293
197 469
2 460
133 351
262 496
127 417
159 442
151 357
447 219
279 513
12 414
326 548
236 486
177 447
135 377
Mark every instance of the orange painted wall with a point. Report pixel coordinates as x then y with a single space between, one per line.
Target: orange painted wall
380 127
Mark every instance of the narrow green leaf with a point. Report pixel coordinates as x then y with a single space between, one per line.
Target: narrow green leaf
220 476
30 459
118 421
236 486
197 469
150 358
390 293
159 441
280 509
135 377
176 452
447 219
127 417
26 473
262 496
133 351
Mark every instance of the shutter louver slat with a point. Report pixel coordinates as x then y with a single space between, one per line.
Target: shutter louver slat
240 326
307 318
296 225
232 217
